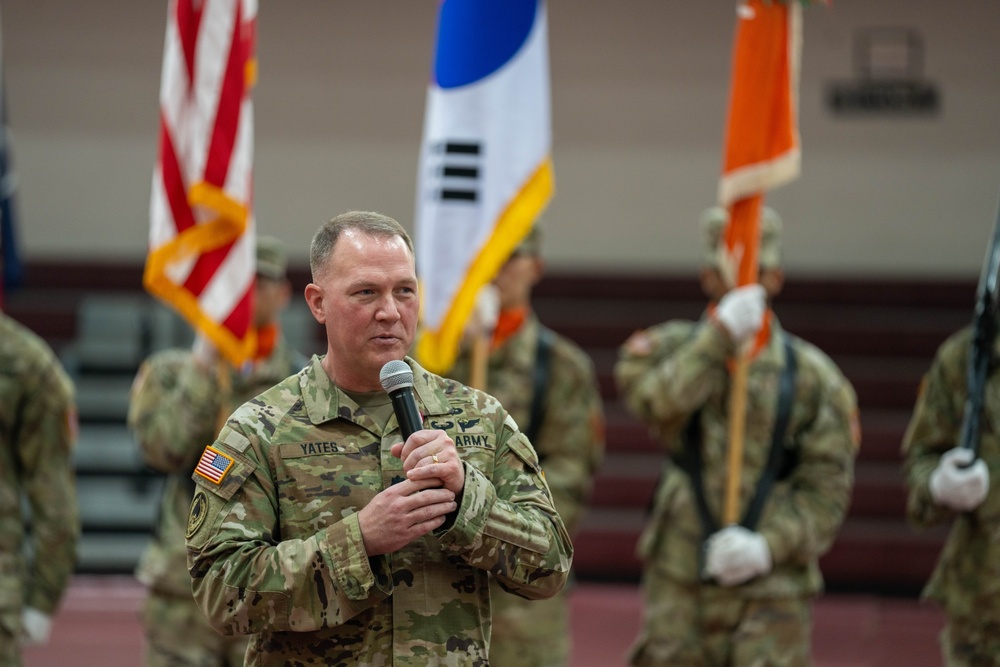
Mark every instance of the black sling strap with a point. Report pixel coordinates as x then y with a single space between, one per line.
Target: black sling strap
543 358
775 458
691 461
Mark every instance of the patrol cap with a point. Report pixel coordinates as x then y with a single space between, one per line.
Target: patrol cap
531 245
713 221
272 258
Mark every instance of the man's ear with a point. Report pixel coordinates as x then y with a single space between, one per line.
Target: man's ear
539 270
712 284
772 280
314 299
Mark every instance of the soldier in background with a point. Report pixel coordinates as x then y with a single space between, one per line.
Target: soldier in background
948 483
738 594
38 429
549 386
179 401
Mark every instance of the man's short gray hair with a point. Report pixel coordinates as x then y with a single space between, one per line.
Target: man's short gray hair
367 222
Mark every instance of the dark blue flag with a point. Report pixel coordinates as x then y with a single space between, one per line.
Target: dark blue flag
10 259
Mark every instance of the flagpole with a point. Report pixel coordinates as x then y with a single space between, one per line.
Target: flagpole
482 326
744 220
480 360
737 429
739 267
761 152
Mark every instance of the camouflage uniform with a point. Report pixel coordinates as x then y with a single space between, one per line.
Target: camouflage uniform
667 375
967 577
570 444
176 408
37 432
274 547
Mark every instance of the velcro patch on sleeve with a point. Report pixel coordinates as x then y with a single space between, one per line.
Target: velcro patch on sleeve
639 344
524 450
213 465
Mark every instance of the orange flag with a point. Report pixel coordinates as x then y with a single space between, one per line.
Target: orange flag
762 138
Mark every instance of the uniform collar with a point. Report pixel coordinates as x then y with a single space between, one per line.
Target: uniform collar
325 401
273 368
508 324
773 351
516 350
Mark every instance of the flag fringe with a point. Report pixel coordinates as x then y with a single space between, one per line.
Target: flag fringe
229 225
760 177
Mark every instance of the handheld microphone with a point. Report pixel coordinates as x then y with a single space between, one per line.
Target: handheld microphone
397 381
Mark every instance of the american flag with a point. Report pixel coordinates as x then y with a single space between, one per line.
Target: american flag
202 237
213 464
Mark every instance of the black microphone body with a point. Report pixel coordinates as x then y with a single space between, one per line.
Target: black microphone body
405 407
397 381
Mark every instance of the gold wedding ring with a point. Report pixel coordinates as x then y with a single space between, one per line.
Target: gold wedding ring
434 458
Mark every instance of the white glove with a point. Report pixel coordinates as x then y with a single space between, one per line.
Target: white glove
960 488
741 311
735 555
487 308
485 313
204 351
35 626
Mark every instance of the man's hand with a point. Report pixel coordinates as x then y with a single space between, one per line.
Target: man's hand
735 555
204 351
958 485
36 626
485 313
741 311
402 513
431 455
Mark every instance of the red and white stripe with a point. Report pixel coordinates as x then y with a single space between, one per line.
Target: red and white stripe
202 239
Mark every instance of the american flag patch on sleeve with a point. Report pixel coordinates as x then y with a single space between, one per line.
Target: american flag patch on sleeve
213 465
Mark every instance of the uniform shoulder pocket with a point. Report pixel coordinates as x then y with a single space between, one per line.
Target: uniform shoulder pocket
221 470
518 443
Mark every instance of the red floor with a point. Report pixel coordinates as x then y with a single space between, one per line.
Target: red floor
98 627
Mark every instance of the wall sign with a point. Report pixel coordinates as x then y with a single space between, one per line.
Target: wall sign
888 76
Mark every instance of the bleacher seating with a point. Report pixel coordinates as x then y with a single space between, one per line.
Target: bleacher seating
118 496
882 333
102 325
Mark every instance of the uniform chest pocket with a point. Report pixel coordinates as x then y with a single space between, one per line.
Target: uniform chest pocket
336 477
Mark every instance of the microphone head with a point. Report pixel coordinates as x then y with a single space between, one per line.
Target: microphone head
395 375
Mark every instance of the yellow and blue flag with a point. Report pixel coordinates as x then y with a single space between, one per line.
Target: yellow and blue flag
486 165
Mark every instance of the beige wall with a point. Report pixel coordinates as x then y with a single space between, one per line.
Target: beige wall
639 95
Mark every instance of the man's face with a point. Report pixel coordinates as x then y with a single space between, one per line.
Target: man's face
366 296
270 298
516 279
714 285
